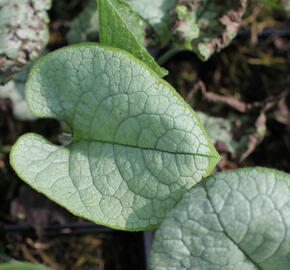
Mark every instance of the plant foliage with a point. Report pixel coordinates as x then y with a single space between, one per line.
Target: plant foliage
137 146
233 220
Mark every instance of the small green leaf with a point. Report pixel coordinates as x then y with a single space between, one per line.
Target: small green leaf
22 266
120 27
136 145
233 220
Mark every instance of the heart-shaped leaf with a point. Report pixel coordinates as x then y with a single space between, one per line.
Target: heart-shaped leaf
233 220
137 146
120 27
22 266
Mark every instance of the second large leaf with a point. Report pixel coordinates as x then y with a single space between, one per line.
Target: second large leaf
137 146
234 220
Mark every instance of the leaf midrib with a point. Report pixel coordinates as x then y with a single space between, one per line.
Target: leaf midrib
125 23
143 148
225 232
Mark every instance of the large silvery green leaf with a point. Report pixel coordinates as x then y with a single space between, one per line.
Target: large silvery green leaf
235 220
120 27
22 266
207 26
137 146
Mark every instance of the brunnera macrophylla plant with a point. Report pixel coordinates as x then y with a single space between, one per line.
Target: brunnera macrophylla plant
139 154
136 145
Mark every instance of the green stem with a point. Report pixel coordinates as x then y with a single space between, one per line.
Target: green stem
168 54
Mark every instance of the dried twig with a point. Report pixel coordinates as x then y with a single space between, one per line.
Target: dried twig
229 100
261 128
253 16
